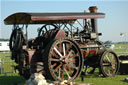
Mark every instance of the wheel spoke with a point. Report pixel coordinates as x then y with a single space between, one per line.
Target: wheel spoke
51 59
58 52
59 72
114 66
69 68
46 28
108 58
73 61
69 53
60 47
70 45
53 65
108 70
114 63
112 58
73 56
57 68
67 73
106 64
54 54
63 72
64 49
112 69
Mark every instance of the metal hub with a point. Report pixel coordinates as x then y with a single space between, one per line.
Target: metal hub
64 60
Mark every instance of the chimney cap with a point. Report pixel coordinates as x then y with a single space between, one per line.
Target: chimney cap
93 9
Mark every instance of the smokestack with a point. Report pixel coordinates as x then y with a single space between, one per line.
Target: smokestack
93 9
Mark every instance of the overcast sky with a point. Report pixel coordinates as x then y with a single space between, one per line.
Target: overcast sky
114 23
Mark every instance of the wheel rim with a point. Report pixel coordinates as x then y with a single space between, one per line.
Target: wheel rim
109 64
13 39
65 61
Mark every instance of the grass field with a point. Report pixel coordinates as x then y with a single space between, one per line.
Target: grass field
96 80
121 49
14 78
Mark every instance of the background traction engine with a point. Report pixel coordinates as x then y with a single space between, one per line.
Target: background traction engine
63 48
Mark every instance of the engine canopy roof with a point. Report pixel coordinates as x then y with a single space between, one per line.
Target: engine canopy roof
47 18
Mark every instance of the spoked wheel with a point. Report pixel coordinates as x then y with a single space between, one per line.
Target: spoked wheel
109 64
63 60
15 40
46 29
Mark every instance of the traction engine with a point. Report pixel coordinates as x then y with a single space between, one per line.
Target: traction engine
67 44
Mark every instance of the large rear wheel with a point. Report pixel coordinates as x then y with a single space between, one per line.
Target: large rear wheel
63 60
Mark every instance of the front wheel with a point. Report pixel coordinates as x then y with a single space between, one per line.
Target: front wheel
63 60
109 64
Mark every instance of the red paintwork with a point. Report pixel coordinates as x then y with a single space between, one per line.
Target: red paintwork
87 53
92 51
64 17
60 34
30 53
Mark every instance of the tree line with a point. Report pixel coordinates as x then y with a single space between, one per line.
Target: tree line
2 39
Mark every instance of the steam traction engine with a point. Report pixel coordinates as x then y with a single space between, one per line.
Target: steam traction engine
65 44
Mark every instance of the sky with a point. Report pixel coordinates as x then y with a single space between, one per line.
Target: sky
114 23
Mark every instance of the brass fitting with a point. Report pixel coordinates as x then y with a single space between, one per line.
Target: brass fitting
93 9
